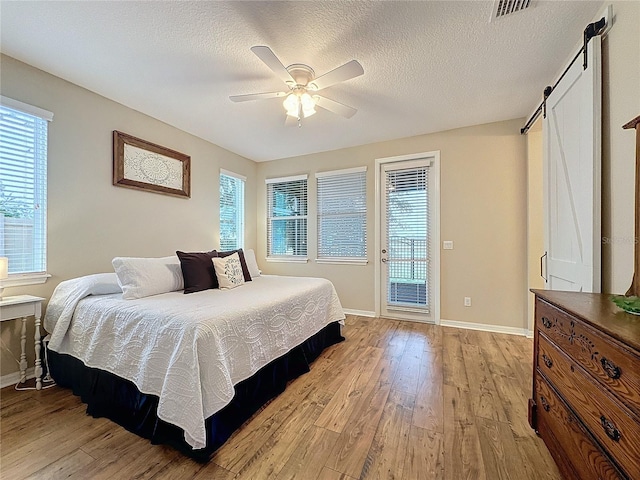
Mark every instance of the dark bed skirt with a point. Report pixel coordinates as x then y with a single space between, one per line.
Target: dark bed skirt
110 396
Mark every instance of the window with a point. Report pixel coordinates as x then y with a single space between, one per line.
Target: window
23 186
287 218
342 215
231 210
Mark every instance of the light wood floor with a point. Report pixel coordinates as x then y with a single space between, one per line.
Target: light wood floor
395 400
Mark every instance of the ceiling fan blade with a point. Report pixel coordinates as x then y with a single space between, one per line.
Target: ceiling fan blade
256 96
347 71
269 58
335 107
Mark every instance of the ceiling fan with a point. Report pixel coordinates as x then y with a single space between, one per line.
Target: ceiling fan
300 100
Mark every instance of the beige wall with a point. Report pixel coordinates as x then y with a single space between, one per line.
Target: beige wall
535 217
483 210
90 221
620 103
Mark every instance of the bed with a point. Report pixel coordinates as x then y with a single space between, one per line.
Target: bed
187 370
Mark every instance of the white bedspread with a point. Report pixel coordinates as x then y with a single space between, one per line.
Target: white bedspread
189 350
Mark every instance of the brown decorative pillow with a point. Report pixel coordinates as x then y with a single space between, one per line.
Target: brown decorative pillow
197 271
243 263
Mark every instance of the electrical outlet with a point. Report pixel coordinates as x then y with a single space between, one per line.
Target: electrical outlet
467 301
447 245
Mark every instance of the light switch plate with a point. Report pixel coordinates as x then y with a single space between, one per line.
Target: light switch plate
447 245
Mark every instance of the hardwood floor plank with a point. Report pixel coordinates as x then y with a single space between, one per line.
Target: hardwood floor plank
308 460
484 396
536 461
387 453
410 401
424 459
428 412
66 466
514 401
111 445
350 451
182 467
139 461
499 450
408 373
328 474
270 458
28 459
336 414
454 370
212 472
233 454
382 331
463 454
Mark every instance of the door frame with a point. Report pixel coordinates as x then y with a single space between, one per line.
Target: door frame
434 202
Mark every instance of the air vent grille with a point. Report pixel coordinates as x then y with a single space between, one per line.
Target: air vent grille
502 8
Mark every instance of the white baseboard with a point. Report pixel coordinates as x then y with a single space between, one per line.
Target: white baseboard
486 328
13 378
360 313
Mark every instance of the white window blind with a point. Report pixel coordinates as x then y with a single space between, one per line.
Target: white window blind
342 214
23 186
287 217
231 211
407 239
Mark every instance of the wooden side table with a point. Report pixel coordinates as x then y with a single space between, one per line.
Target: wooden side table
24 306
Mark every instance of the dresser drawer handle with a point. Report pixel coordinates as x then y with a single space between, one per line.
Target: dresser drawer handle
610 368
610 429
547 361
545 403
546 322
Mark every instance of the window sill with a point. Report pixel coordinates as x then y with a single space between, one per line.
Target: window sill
342 261
288 259
20 280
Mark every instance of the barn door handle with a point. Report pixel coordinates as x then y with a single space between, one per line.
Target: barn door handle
543 260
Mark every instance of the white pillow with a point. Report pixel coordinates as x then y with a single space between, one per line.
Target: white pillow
143 277
228 271
252 264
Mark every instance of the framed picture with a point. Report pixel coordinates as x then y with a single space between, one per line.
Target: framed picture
147 166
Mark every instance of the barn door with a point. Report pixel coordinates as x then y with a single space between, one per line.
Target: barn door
571 132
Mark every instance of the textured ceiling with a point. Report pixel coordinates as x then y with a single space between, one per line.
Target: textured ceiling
429 66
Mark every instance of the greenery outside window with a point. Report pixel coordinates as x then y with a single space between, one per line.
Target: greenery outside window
287 218
23 190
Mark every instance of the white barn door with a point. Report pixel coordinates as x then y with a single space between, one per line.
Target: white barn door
571 132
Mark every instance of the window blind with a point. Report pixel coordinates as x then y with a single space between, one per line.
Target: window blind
342 214
231 211
23 187
407 205
287 217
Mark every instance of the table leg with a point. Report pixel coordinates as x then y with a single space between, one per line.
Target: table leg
23 353
38 369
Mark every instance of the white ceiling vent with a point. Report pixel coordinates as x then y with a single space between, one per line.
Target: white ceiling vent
502 8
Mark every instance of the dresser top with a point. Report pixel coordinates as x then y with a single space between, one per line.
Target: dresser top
599 311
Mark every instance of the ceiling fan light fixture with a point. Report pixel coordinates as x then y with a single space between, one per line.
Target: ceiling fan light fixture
292 104
308 104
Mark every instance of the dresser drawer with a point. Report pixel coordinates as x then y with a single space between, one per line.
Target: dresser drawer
572 448
609 421
609 363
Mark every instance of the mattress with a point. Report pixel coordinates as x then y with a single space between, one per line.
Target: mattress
189 350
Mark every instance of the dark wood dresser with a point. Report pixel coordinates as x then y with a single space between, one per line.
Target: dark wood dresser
586 385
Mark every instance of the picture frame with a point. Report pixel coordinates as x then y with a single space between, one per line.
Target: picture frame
146 166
